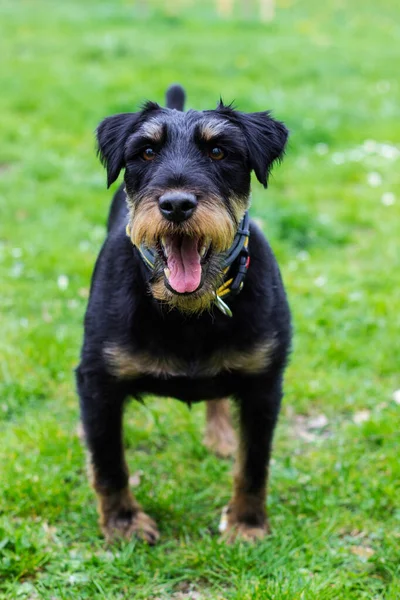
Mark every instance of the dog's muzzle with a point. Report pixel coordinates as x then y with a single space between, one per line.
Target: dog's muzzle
184 256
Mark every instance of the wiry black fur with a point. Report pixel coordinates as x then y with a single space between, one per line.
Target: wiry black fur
121 311
264 138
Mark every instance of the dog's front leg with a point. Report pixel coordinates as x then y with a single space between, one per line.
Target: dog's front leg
245 517
102 412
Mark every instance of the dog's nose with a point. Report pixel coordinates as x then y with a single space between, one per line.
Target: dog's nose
177 206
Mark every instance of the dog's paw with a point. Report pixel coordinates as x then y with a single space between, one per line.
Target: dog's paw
122 517
232 530
131 524
241 532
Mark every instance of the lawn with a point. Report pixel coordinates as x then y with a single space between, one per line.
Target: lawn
332 212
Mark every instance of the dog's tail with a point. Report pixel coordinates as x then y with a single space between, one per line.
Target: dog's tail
175 97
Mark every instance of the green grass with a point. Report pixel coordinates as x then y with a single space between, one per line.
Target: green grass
330 71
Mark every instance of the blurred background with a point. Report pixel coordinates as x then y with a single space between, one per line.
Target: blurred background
330 71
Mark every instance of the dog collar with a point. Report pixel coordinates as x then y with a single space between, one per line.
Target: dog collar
237 253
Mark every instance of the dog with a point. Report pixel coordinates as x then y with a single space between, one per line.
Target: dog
186 299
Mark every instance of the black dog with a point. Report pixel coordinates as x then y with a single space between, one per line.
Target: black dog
186 298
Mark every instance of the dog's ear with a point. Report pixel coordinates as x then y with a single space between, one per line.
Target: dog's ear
266 139
112 134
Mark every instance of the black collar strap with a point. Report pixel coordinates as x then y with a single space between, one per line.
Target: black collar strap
239 252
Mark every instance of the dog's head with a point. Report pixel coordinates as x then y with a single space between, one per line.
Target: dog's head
187 177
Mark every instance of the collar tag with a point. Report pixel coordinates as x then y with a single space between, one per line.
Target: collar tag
223 307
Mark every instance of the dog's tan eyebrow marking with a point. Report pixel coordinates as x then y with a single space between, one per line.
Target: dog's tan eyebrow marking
211 128
153 129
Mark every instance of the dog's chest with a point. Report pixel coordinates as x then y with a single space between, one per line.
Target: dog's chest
125 364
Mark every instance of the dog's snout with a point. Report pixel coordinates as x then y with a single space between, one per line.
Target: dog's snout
177 206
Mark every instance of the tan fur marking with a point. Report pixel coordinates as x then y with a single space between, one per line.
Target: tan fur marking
120 513
195 303
243 532
126 365
112 503
121 516
251 361
245 516
239 205
210 220
219 435
153 129
211 129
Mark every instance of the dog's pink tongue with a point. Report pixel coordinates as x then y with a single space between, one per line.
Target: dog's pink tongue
183 261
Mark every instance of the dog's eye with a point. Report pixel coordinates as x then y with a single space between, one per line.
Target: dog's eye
216 153
148 154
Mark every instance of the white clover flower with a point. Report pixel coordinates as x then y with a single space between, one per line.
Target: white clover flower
338 158
72 303
303 255
62 282
374 179
322 149
318 422
17 270
355 296
388 198
388 151
302 162
356 154
320 281
370 146
361 416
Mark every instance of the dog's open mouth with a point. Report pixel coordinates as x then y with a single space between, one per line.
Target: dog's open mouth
184 257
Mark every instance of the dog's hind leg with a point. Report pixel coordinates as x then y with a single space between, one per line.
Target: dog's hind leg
245 517
102 412
219 435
